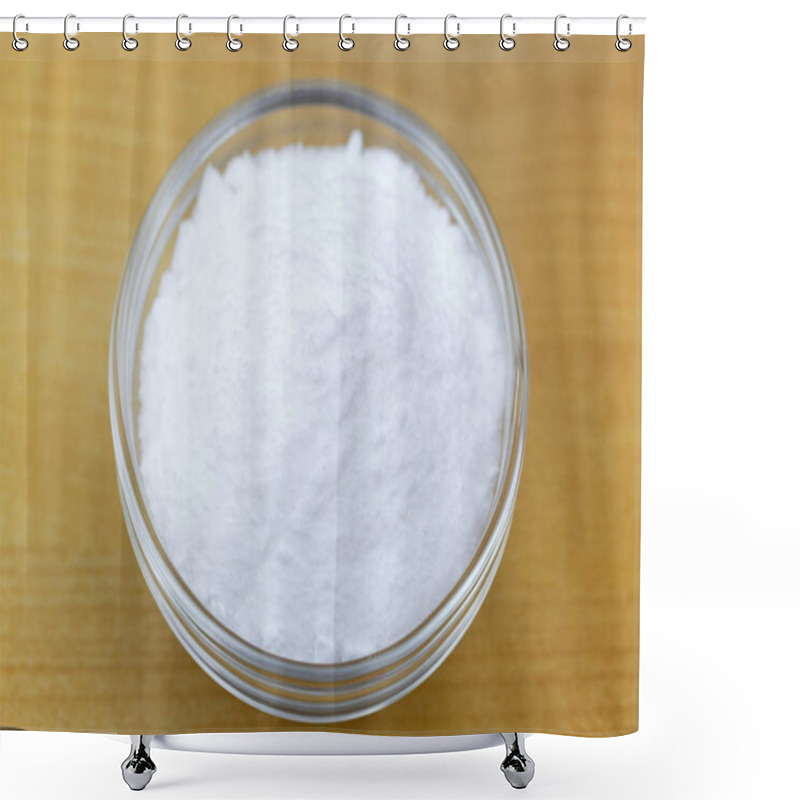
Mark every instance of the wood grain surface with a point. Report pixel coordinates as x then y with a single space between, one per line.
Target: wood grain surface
554 141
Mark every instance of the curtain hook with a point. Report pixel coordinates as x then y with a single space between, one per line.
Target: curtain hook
623 45
290 44
181 41
233 44
507 42
129 43
401 42
70 42
561 44
18 43
451 42
346 42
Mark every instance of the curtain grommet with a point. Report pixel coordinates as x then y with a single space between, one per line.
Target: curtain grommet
129 43
290 43
183 43
17 42
346 43
401 43
71 43
560 43
623 45
451 42
507 42
233 44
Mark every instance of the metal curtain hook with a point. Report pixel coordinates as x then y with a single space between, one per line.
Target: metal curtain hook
401 42
507 42
70 42
451 42
561 44
623 45
290 44
18 43
129 43
181 41
233 44
345 42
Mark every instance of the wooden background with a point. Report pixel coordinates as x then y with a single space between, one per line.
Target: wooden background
554 142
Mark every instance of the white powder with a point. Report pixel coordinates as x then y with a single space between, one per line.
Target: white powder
322 383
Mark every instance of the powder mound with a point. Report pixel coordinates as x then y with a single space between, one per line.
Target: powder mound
323 376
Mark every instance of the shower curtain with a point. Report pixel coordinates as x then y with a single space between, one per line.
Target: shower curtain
120 609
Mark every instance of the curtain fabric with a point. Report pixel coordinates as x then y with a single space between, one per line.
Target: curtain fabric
553 141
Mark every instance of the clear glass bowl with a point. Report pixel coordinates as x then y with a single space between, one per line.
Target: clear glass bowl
315 113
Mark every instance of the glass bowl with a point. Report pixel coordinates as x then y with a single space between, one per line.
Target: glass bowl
316 113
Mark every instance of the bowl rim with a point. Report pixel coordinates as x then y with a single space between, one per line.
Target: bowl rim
149 550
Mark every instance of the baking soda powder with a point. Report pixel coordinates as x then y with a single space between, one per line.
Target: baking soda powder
323 379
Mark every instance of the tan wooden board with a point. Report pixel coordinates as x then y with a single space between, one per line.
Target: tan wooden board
554 141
